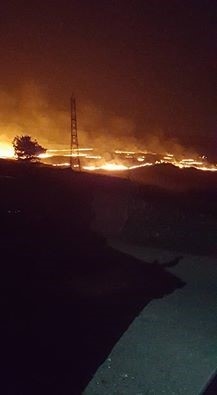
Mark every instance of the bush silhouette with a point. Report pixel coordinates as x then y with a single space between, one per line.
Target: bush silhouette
26 148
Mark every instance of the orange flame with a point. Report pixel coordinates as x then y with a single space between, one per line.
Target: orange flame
126 160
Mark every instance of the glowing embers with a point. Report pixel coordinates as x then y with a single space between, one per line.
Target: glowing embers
64 164
107 166
45 155
127 160
115 167
119 160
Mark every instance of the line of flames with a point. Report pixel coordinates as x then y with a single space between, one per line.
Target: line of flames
6 151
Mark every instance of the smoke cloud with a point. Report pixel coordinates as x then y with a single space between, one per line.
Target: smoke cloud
30 111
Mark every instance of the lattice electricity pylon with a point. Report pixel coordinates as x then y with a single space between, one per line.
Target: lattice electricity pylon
74 151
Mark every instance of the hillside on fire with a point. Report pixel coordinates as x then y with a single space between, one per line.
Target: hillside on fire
68 295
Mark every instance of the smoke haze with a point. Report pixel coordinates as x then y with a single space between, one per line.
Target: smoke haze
30 111
143 73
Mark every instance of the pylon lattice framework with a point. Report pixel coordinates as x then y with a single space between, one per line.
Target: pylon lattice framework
74 151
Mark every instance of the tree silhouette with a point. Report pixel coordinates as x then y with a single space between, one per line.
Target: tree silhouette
26 148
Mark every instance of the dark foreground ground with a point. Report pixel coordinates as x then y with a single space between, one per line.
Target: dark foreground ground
66 297
212 387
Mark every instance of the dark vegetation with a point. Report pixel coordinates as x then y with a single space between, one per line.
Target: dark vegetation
27 149
66 296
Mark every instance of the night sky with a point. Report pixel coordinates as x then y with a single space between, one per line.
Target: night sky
142 71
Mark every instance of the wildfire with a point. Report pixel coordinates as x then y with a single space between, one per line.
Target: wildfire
107 166
6 150
121 160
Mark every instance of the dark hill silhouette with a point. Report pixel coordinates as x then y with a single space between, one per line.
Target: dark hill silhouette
171 177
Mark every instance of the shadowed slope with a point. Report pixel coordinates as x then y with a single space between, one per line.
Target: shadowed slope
66 297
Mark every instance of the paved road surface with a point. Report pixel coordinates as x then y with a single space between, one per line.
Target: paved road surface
171 347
